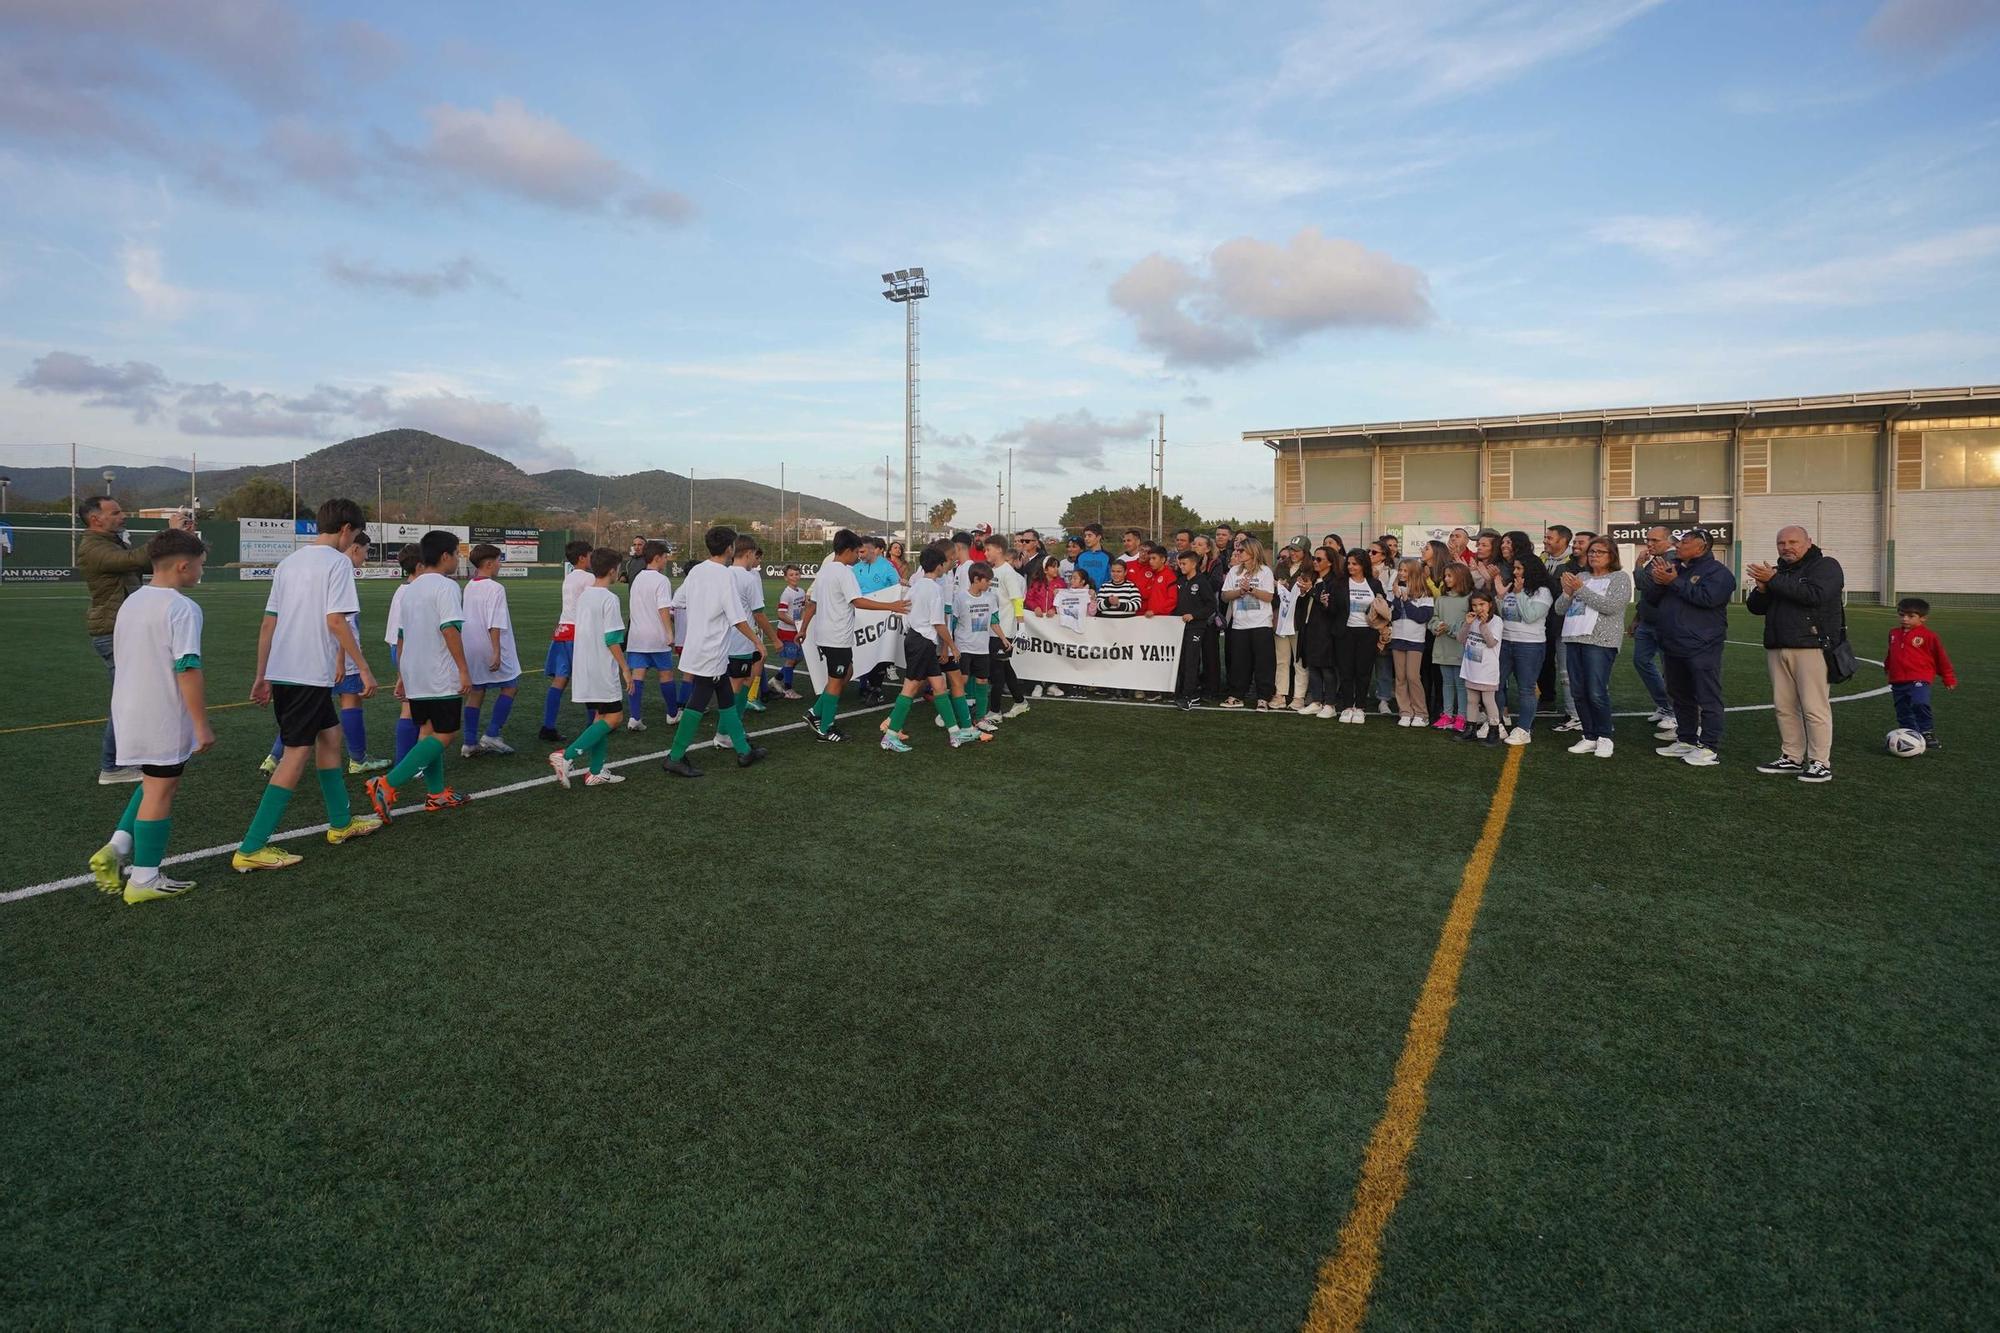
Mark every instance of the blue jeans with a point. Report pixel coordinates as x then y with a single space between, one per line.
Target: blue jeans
1385 679
1521 663
1646 662
109 759
1590 684
1319 685
1913 705
1454 690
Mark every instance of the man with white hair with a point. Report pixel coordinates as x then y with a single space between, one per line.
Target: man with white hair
1800 600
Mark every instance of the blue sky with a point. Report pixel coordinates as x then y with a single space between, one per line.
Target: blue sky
626 236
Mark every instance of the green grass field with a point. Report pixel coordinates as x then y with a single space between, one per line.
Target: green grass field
1087 1028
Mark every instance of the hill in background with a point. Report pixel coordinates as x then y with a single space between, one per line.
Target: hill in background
431 479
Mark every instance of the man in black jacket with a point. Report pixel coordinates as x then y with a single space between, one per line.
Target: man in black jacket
1194 603
1800 600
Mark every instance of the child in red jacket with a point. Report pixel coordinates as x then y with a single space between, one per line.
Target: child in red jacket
1916 657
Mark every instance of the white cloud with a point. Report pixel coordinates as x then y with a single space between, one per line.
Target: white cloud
135 386
1930 28
144 270
455 275
1661 236
1433 50
515 151
1257 296
1054 445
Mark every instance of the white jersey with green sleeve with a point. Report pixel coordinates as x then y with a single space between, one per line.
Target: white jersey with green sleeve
594 676
430 606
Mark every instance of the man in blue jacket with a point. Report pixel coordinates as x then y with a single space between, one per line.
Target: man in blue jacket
1095 562
1690 601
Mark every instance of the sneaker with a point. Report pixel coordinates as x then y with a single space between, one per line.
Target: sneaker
382 797
552 736
1584 746
680 768
720 742
1519 736
1657 716
605 779
757 705
1569 724
560 763
1385 708
1443 723
494 745
1667 733
789 694
1325 712
1016 710
112 777
894 743
1458 724
264 858
812 721
1678 750
988 724
270 765
358 826
831 734
155 889
1783 764
464 752
634 724
1931 743
1493 737
1701 757
1815 771
753 754
105 870
1403 721
1055 692
1232 703
1193 704
448 799
1603 747
1419 720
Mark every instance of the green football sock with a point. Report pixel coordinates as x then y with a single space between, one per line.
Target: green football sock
684 733
149 842
270 810
980 691
827 706
901 711
434 773
131 815
598 752
942 702
333 790
729 724
416 761
583 744
962 710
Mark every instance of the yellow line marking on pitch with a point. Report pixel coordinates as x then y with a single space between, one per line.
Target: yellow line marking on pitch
1348 1275
213 708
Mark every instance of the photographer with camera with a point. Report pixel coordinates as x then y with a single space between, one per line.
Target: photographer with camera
111 570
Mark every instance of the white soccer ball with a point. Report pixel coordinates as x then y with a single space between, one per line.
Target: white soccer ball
1905 744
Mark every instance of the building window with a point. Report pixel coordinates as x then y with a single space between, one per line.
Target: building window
1338 478
1545 474
1961 459
1440 476
1700 468
1823 464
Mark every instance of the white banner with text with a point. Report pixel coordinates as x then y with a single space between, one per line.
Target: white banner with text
877 638
1103 652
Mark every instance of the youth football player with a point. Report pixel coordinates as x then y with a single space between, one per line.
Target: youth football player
978 628
159 712
746 656
791 609
831 606
353 722
305 628
710 608
392 634
603 678
562 643
649 643
432 675
489 653
927 644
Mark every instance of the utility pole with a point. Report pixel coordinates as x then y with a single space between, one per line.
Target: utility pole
999 505
781 513
690 540
1160 486
295 495
906 287
380 518
194 462
888 517
72 503
1010 492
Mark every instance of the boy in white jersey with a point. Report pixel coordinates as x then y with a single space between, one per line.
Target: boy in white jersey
432 674
709 607
603 678
490 655
830 606
927 645
1012 591
304 631
562 644
791 611
353 722
977 627
159 712
746 656
392 634
649 643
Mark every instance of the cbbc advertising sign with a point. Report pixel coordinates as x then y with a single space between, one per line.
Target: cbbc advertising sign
266 541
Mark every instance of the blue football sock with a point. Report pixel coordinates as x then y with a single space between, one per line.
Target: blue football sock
277 747
407 732
785 676
354 723
472 724
638 697
501 709
670 695
550 707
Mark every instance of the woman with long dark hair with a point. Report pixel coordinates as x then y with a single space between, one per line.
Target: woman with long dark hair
1522 584
1360 607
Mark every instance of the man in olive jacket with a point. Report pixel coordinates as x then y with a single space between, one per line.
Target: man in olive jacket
1799 599
111 569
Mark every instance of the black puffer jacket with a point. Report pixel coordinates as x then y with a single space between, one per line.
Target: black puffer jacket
1318 617
1801 604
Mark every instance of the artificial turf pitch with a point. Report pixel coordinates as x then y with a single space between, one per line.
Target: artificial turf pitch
1088 1027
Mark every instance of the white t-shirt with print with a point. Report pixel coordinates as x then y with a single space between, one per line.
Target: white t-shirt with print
308 585
1360 596
791 607
594 678
651 590
1245 611
1287 603
430 603
711 606
157 629
974 614
485 611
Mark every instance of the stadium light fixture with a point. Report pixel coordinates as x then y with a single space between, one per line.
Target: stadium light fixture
906 287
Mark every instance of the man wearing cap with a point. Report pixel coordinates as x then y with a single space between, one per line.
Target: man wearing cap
1799 599
1690 600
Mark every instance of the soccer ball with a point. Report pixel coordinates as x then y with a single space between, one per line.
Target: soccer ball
1905 744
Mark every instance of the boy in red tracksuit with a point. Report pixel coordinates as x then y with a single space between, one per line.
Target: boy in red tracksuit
1916 657
1159 590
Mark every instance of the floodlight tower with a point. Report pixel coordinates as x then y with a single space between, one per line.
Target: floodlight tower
906 287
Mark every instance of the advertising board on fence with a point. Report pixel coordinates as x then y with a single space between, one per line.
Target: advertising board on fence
266 541
519 546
